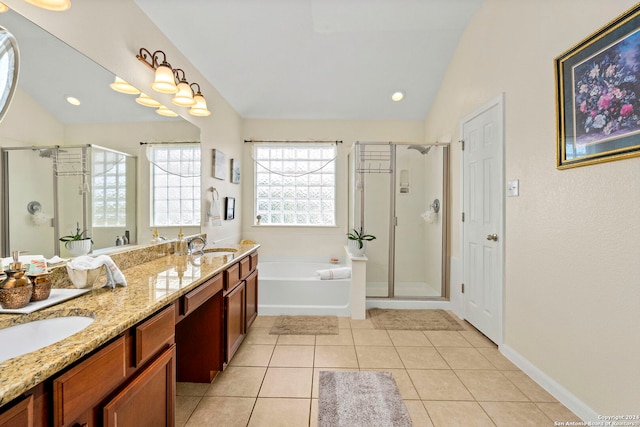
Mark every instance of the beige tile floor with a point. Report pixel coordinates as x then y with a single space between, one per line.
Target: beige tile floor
445 378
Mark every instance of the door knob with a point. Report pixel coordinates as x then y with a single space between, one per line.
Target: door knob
493 237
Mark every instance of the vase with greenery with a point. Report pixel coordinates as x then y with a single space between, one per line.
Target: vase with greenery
357 241
77 243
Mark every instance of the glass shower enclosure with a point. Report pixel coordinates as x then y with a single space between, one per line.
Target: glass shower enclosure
48 191
399 192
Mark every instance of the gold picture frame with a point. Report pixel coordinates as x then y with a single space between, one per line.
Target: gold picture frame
598 95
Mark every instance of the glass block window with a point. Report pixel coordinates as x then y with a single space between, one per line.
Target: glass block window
295 184
175 184
109 188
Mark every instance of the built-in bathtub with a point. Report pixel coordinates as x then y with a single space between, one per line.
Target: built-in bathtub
290 286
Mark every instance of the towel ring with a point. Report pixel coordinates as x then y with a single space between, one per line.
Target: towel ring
214 193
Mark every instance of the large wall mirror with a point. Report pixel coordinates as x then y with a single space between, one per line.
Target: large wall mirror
65 164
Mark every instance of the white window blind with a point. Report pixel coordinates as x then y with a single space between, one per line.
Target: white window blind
175 184
295 184
109 187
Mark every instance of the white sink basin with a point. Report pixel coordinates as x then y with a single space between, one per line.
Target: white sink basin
31 336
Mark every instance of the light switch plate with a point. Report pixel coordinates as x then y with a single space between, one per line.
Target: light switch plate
513 188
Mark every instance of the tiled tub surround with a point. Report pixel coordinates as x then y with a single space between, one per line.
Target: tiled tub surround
151 286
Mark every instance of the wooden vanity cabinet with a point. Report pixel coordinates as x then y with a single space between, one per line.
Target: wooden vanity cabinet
251 281
135 370
234 308
240 302
200 332
251 311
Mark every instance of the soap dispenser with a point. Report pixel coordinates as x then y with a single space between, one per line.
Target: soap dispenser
181 244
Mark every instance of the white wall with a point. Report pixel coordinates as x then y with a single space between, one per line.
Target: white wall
17 130
325 241
572 236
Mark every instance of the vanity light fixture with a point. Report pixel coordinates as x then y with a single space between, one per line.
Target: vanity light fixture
3 7
397 95
184 97
121 86
56 5
164 111
200 107
147 101
165 82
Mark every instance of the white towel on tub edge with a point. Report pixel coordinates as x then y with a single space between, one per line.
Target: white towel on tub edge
334 273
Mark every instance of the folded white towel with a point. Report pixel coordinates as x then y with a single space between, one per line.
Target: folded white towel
84 262
334 273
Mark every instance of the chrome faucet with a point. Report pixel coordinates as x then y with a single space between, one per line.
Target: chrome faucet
190 245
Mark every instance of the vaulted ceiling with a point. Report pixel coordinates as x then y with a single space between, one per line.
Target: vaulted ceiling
318 59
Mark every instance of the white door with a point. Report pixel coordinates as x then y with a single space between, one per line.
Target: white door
483 226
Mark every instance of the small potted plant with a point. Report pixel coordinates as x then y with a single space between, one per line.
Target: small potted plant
78 243
358 240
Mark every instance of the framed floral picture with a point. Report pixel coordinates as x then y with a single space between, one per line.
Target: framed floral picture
598 95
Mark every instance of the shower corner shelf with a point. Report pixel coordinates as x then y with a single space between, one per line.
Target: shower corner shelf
70 164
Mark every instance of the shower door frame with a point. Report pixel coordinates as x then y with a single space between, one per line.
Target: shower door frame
393 219
4 209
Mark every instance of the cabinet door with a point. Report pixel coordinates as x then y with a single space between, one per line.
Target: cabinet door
252 299
149 399
234 304
79 390
21 414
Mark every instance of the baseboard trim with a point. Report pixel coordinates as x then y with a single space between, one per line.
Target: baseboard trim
407 304
577 406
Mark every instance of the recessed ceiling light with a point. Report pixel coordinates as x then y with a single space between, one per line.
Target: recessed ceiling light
397 95
72 100
3 7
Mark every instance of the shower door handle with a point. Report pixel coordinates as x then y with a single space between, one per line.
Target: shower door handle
493 237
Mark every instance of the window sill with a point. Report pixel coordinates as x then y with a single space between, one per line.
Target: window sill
292 226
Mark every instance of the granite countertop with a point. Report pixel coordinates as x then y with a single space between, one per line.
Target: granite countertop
150 287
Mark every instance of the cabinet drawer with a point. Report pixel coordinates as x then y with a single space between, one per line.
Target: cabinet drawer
201 294
245 267
154 334
254 260
84 385
232 276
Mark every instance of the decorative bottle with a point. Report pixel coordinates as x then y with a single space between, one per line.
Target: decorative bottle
181 244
